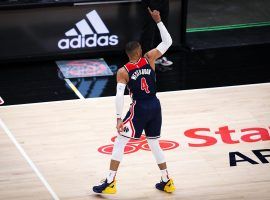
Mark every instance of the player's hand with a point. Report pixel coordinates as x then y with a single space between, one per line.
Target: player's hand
120 125
155 15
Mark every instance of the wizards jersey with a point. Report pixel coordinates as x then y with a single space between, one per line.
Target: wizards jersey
142 79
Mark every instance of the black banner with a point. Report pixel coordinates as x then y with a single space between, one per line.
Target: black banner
52 31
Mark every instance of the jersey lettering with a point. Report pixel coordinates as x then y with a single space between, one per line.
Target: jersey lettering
142 81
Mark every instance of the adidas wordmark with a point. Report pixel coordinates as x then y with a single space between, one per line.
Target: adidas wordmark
97 35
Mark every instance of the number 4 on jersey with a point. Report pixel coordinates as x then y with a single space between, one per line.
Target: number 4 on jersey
144 85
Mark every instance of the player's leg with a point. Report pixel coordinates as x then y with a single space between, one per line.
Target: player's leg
117 155
166 184
108 186
152 131
133 128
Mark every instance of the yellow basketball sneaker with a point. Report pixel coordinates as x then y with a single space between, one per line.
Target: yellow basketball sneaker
105 187
166 186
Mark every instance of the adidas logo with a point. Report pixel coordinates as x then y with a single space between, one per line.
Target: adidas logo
90 32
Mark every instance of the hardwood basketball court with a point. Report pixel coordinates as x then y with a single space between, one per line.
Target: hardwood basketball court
67 142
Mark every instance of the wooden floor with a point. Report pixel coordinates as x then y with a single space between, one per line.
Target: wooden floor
62 139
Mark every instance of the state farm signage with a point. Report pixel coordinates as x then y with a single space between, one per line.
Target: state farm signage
203 137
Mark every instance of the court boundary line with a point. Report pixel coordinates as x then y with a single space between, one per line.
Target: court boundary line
27 158
74 89
218 88
176 91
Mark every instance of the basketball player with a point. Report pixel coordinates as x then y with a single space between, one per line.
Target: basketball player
145 111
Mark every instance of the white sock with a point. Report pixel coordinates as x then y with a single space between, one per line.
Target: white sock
110 176
164 175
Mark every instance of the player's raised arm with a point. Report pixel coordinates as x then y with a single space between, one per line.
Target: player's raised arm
166 42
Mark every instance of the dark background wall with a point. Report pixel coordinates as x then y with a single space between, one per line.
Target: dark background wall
227 12
211 58
35 32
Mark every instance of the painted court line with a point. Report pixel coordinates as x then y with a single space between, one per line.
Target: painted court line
170 92
217 88
27 158
72 86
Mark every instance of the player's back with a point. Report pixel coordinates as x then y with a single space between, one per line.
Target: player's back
142 79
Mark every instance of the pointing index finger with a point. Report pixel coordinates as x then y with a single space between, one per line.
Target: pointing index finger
150 11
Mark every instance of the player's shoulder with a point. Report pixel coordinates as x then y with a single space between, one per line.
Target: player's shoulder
150 59
131 66
145 59
122 71
122 75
